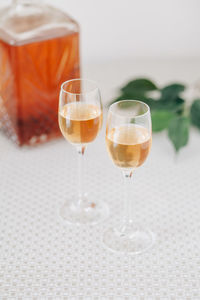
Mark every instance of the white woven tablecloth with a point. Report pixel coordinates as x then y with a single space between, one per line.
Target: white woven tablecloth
41 257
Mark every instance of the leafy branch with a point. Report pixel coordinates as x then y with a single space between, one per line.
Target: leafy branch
168 108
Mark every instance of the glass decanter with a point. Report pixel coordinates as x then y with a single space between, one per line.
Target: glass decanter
39 49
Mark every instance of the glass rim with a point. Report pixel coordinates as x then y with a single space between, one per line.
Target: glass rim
129 100
79 79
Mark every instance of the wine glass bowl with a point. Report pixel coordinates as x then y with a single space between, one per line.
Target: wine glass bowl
80 111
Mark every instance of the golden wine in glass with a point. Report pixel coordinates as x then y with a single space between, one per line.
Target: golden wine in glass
80 122
128 141
128 145
80 119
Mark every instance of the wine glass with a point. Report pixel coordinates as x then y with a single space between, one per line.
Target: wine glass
80 120
128 141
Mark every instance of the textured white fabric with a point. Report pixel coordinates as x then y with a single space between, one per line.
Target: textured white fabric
42 257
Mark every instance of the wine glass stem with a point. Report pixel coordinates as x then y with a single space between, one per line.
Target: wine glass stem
81 173
127 217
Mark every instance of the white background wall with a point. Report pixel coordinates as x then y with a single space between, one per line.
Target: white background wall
113 29
139 28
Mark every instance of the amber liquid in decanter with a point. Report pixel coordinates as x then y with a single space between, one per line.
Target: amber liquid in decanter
31 73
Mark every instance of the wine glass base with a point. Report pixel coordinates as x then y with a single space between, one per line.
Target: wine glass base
134 242
89 212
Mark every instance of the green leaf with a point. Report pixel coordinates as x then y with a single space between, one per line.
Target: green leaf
148 101
195 113
171 92
178 131
167 108
126 104
176 106
122 97
161 119
138 87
